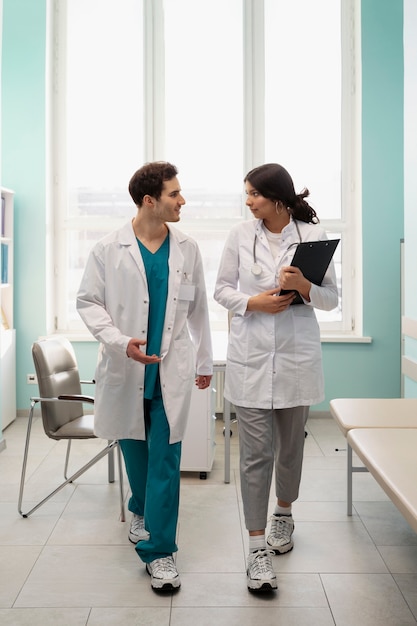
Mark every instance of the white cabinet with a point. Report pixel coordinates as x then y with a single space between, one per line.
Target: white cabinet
7 331
199 442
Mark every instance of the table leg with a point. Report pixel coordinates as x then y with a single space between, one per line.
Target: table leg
226 415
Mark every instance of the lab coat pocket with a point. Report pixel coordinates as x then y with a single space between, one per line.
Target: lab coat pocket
111 369
303 310
186 292
307 330
184 356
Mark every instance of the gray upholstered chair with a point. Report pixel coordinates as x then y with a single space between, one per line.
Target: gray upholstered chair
61 401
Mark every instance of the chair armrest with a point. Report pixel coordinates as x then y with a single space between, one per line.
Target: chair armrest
77 398
64 398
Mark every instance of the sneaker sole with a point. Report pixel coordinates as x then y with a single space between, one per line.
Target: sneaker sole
164 585
281 549
259 585
135 541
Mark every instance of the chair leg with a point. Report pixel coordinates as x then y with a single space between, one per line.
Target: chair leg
100 455
67 458
25 457
110 462
122 501
111 466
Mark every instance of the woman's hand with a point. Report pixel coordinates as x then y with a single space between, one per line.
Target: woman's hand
270 302
291 277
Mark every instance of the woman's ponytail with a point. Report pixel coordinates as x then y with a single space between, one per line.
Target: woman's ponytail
301 210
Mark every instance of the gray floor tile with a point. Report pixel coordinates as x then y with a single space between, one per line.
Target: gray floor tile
366 599
44 617
143 616
16 564
230 590
238 616
71 563
81 576
407 584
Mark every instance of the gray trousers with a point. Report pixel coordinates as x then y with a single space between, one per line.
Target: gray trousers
269 437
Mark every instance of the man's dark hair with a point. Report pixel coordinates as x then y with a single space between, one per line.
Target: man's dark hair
149 180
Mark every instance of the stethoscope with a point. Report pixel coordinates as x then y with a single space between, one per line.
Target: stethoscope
256 269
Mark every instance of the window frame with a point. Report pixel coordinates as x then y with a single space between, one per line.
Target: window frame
349 226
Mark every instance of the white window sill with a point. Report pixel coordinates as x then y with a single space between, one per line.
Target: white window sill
220 338
341 338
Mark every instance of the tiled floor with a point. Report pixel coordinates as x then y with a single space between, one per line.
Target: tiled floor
71 563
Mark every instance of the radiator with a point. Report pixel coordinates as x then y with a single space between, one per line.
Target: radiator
218 384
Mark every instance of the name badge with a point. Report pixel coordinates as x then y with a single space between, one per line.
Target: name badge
187 292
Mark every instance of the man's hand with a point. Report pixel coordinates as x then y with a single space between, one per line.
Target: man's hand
203 382
134 352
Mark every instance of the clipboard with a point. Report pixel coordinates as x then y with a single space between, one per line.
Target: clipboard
313 258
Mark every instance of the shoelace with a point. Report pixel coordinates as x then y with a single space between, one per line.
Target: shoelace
261 563
281 528
138 524
163 566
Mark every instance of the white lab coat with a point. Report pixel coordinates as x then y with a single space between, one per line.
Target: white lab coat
113 301
273 361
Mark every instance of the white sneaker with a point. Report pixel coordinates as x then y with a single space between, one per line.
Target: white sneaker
163 573
137 530
260 574
280 535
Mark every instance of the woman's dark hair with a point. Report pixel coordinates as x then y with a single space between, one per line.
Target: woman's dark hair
274 182
149 180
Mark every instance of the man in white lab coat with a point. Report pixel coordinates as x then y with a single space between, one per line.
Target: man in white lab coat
143 298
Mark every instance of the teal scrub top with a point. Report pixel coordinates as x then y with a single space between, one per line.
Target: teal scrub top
156 269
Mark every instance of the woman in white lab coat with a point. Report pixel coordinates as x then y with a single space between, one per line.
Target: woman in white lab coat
143 298
274 369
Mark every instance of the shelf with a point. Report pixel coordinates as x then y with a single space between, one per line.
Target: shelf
7 332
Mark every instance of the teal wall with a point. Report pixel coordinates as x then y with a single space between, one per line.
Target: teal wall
374 369
383 177
24 171
350 369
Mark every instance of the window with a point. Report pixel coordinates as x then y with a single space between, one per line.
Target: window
215 87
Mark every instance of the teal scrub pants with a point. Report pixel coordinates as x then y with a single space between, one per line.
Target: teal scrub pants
153 470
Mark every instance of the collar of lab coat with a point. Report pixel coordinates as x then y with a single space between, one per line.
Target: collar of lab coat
289 232
128 237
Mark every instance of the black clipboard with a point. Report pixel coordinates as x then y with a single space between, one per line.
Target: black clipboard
313 258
